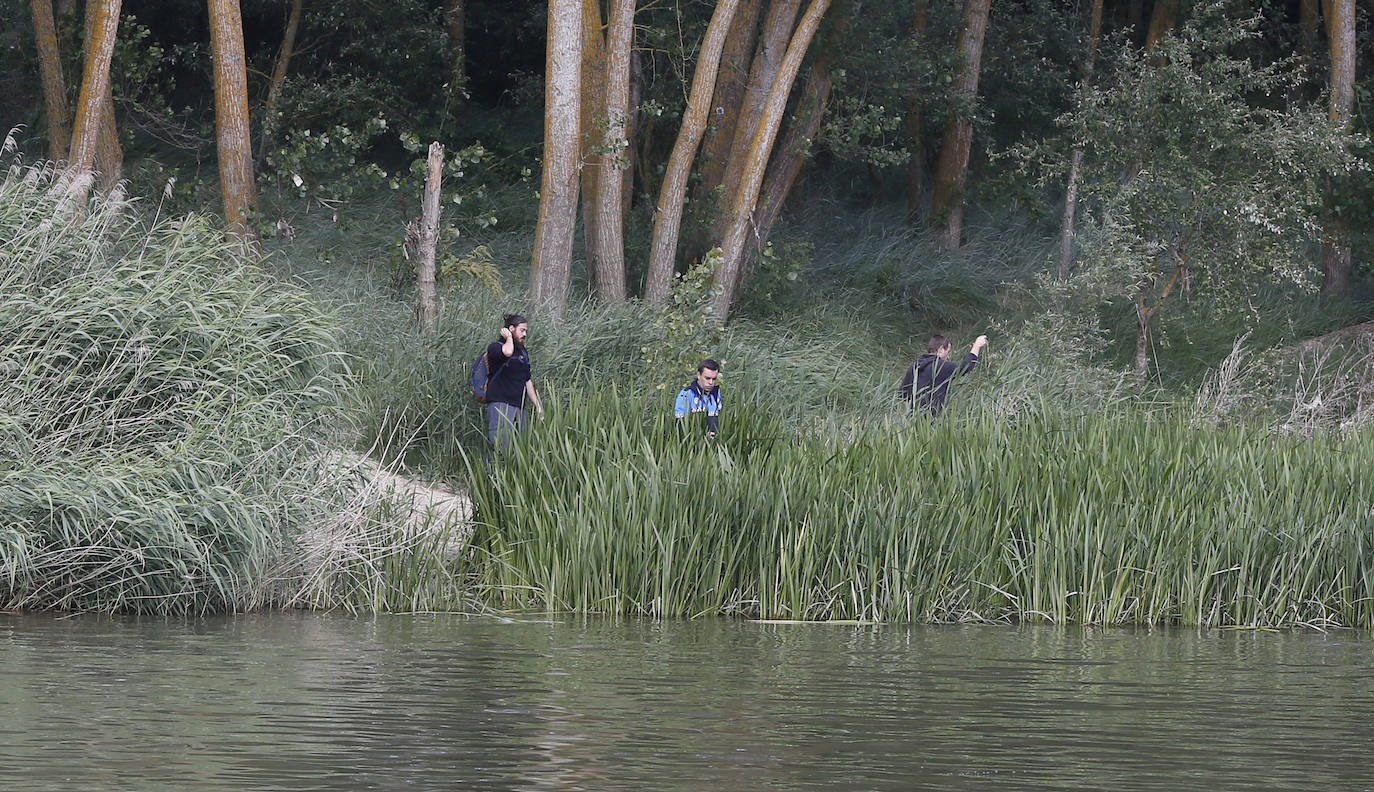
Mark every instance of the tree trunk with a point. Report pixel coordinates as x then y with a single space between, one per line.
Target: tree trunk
551 264
1066 229
610 230
279 72
1162 20
732 78
772 48
54 87
102 23
593 124
237 188
668 212
752 172
912 126
806 122
1135 15
1337 259
109 157
951 170
427 304
633 122
1309 19
1143 316
455 29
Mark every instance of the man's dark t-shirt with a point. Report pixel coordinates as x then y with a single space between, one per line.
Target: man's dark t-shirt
928 380
507 378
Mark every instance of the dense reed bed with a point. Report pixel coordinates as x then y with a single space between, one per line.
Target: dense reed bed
1125 516
161 402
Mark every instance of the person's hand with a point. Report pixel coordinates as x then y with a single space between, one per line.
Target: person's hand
540 413
978 343
505 334
710 435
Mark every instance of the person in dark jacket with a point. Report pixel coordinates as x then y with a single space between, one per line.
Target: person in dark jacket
928 378
701 395
509 385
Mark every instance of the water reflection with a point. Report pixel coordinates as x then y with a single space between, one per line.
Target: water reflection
326 702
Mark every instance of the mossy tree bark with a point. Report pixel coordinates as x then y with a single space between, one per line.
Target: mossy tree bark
551 264
238 190
54 86
102 24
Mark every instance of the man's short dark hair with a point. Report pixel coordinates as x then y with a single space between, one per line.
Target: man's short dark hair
511 320
937 343
708 364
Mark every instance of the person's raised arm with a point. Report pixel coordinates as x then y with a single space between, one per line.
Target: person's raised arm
507 343
973 353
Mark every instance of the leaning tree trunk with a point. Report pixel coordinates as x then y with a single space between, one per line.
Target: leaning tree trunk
279 72
237 188
609 240
1066 229
732 78
551 264
668 212
763 73
102 25
427 301
751 178
1337 258
951 171
54 87
806 123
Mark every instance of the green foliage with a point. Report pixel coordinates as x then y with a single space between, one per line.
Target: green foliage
686 330
1196 178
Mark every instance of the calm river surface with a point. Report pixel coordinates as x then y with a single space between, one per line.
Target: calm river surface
328 702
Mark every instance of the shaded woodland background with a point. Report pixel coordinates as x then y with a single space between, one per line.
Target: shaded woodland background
1140 163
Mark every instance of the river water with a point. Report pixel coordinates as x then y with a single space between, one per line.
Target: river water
302 702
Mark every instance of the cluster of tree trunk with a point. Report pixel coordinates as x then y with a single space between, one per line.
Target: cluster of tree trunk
88 146
744 77
745 131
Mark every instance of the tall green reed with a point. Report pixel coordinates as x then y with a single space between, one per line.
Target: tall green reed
1115 517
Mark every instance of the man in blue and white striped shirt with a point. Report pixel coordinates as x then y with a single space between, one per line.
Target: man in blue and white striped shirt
702 395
